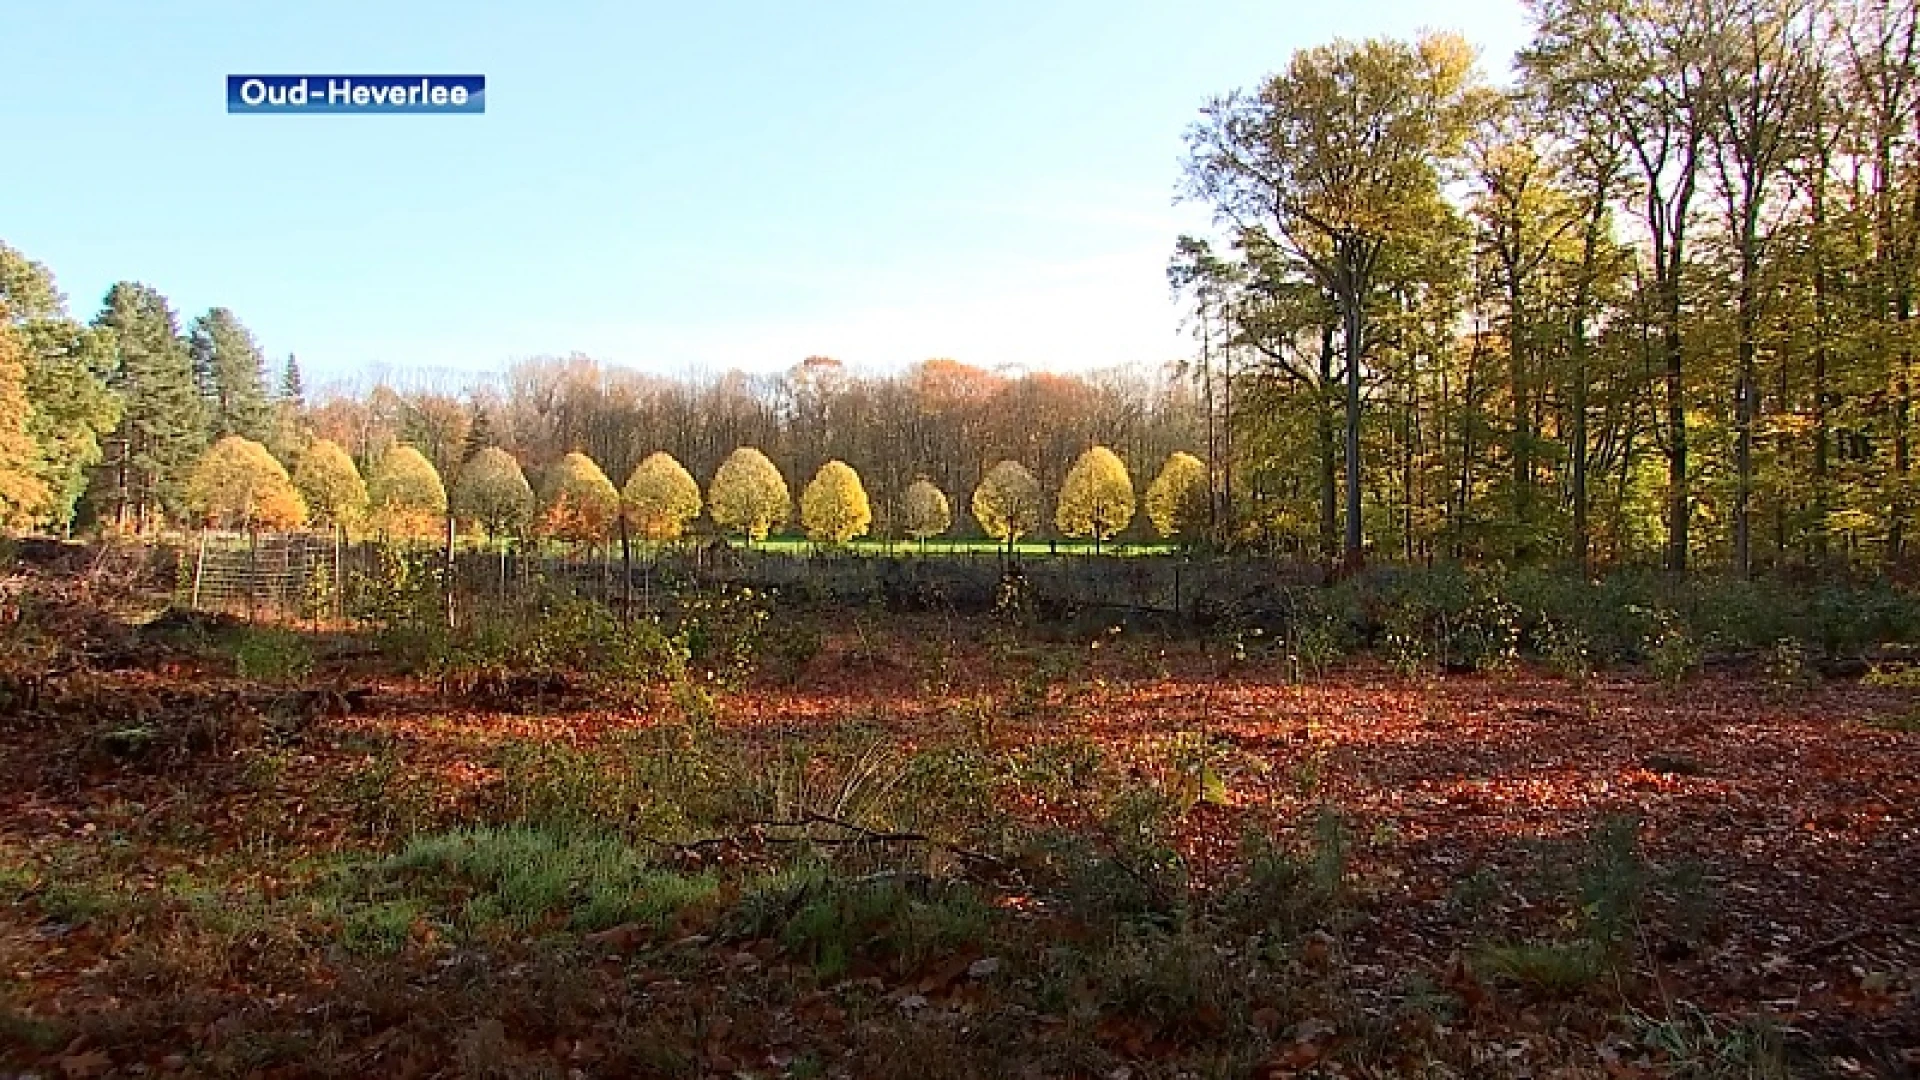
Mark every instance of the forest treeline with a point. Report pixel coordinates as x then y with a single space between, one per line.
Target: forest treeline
1652 302
120 413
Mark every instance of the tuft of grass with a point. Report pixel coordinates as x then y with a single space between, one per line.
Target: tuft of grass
1698 1046
1904 724
524 877
1556 967
895 921
380 929
272 654
1285 893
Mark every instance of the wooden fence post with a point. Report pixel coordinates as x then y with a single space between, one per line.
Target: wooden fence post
339 575
626 570
449 582
199 570
253 570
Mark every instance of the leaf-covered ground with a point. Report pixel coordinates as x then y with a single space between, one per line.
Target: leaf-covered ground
940 849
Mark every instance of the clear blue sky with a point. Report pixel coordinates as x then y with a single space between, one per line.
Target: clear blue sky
674 187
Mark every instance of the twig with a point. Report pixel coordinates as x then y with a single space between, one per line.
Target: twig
861 835
1821 948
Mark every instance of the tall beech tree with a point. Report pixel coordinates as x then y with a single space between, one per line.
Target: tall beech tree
1335 161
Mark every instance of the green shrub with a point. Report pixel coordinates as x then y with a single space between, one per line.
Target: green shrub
722 629
1672 652
272 654
896 922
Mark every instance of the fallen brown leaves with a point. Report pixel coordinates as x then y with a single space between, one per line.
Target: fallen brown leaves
1802 819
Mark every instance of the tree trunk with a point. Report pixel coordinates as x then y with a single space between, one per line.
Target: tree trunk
1355 328
1578 437
1745 389
1522 448
1822 495
1903 427
1323 407
1679 505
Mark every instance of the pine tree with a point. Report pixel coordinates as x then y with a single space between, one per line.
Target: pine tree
834 505
1096 499
237 484
293 389
479 434
232 376
330 483
748 495
162 429
1007 503
580 504
661 497
493 492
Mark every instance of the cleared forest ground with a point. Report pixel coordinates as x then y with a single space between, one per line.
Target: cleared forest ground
937 848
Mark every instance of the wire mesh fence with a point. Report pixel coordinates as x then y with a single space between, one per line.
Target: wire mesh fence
322 576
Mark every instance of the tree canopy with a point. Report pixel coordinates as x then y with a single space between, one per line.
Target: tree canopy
1176 501
232 376
405 497
330 484
662 498
66 367
1007 503
492 491
23 494
162 427
1097 498
924 510
748 495
579 503
237 484
833 508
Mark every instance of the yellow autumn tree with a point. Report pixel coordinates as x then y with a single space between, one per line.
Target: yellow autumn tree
237 484
748 495
23 495
581 505
492 492
925 510
405 497
1176 501
661 497
328 480
834 505
1007 503
1096 499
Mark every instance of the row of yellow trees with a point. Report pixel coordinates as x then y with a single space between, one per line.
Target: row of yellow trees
238 484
